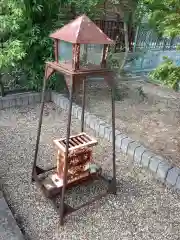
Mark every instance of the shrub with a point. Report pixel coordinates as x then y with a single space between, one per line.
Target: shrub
167 73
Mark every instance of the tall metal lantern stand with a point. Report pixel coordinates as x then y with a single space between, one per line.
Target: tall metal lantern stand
80 49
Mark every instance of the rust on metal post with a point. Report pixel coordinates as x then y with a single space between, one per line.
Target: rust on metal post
110 79
113 184
76 56
66 154
56 50
68 81
48 72
83 105
34 172
104 55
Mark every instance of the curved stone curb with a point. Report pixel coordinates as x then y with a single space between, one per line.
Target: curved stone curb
138 153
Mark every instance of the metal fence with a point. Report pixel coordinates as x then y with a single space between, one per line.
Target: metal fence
142 38
150 49
149 40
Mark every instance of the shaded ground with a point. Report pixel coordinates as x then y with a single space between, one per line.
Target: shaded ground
151 116
142 209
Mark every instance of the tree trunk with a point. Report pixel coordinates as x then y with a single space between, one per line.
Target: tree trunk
126 38
136 38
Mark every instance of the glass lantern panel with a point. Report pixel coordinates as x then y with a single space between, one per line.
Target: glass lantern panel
91 55
64 52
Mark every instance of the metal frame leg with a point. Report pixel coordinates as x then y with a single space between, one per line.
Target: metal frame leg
34 173
62 210
83 105
112 187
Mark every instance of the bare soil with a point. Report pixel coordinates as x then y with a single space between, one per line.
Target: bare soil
146 112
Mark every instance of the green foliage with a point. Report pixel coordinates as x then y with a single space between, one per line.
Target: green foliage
25 26
13 51
89 7
164 15
167 73
125 8
11 18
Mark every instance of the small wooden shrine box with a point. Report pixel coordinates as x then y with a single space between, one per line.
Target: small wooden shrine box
79 157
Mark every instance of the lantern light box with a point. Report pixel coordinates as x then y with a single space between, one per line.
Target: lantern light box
81 45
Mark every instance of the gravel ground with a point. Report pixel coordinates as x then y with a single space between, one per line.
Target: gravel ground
142 209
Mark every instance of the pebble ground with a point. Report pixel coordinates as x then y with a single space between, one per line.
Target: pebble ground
142 210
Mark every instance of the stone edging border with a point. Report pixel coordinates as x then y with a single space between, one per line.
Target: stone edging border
140 155
22 99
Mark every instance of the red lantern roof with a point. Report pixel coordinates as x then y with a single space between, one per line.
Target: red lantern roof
82 30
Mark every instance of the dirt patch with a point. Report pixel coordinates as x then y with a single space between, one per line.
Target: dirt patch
146 112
